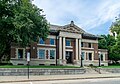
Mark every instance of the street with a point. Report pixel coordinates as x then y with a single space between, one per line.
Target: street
77 81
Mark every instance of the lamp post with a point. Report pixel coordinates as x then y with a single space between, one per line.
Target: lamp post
81 61
99 54
28 60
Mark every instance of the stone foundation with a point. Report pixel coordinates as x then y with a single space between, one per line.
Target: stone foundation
23 72
59 62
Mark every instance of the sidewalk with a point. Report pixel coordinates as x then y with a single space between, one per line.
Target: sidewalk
4 79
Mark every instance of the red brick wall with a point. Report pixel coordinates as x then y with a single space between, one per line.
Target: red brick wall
13 50
47 41
73 45
33 50
95 46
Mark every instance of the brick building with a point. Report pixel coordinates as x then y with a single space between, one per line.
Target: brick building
64 45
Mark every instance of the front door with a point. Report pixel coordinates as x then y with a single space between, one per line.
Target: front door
69 57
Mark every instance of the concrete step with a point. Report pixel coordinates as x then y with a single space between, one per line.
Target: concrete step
90 70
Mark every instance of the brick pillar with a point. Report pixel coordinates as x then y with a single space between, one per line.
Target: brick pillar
33 50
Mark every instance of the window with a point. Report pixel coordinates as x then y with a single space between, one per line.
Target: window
83 54
52 41
89 45
52 54
101 57
81 44
20 53
42 41
41 54
68 43
89 56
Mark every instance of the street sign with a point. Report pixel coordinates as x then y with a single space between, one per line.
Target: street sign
28 56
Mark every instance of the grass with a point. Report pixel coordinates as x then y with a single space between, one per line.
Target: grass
21 66
111 66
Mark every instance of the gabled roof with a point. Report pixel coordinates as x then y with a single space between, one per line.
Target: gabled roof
68 28
71 28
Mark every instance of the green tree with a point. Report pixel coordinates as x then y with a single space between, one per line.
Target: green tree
20 22
115 27
108 42
6 25
115 50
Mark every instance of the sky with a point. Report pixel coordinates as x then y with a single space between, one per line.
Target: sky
93 16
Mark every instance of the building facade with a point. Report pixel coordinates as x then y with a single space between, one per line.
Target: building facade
64 45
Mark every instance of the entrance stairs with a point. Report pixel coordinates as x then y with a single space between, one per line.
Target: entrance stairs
93 70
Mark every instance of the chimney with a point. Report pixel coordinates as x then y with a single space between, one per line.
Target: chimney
72 23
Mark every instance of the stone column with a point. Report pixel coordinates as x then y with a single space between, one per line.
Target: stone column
79 48
64 48
60 48
76 45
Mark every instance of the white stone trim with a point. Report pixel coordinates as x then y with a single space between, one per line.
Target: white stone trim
76 45
46 45
51 36
69 46
60 47
89 41
64 48
103 56
27 47
86 48
68 34
17 53
69 49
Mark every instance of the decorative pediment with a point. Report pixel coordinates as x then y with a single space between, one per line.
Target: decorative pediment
72 28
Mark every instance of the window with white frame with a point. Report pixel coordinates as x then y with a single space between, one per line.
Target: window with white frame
20 53
41 54
89 45
89 56
41 41
52 54
52 41
68 43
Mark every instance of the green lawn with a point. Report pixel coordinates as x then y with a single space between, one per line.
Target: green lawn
20 66
111 66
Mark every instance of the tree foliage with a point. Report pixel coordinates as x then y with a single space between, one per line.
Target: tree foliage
20 22
108 42
115 27
115 49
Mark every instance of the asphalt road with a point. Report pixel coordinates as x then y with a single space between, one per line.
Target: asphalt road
79 81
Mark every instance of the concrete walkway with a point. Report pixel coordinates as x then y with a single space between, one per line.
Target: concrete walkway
5 79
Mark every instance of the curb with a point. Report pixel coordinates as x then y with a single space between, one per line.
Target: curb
61 79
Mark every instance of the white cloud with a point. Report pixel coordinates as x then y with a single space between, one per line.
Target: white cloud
85 13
